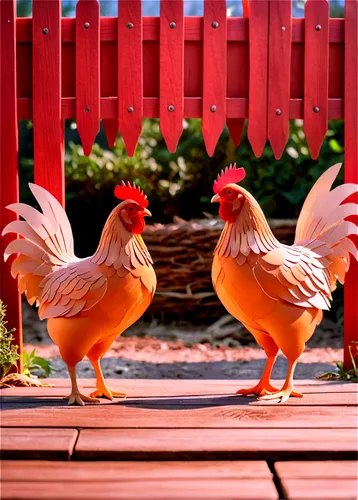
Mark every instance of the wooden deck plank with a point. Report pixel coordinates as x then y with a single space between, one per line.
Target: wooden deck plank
95 489
178 402
183 444
318 489
155 388
25 443
329 469
129 471
219 416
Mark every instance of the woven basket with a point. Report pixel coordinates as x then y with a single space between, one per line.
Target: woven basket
182 254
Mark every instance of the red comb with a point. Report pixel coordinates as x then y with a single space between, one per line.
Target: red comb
229 175
128 192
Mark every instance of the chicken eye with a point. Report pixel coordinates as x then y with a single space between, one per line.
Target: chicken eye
229 191
130 208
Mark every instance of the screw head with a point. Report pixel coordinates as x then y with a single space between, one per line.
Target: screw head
45 31
283 28
130 26
318 27
316 109
171 108
86 26
213 108
172 25
278 112
215 24
87 109
130 109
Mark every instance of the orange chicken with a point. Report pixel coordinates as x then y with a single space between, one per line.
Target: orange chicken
278 291
87 302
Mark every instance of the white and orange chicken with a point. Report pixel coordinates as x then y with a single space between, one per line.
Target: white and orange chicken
87 302
278 291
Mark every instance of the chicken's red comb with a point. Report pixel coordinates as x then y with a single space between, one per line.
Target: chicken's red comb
229 175
128 192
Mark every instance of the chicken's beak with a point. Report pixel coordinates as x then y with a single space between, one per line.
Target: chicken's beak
146 213
215 198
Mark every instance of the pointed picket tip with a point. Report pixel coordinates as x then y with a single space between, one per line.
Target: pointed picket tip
130 139
235 126
131 146
172 132
87 141
257 145
111 127
210 144
277 151
278 146
171 142
211 134
314 148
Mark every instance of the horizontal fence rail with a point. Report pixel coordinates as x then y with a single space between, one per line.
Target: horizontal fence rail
266 67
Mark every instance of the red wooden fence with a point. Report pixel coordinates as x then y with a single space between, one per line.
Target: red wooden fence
266 66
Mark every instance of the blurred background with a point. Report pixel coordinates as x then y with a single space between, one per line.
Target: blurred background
184 227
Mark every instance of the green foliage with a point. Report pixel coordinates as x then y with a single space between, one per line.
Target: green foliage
341 374
33 364
184 179
8 351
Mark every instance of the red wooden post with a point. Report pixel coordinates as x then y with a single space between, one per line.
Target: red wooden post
214 72
236 125
46 98
351 163
258 45
316 74
9 182
171 99
87 72
280 34
130 72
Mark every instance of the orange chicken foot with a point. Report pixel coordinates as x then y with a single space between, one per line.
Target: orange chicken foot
102 390
287 388
76 396
264 387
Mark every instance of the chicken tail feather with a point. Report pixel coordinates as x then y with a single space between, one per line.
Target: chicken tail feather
45 244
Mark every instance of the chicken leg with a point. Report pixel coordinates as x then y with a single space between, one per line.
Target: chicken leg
269 346
76 396
287 388
263 387
102 389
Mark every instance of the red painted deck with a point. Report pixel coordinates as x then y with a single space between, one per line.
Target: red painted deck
180 439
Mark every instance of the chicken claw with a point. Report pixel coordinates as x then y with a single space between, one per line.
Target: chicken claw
77 397
258 390
104 392
284 394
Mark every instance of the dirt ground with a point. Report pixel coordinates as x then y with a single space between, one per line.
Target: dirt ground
224 350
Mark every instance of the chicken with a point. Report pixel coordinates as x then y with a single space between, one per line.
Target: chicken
87 302
278 291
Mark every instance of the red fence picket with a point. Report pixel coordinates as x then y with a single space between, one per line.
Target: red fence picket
316 74
171 93
130 74
351 163
234 54
87 64
280 34
46 102
214 72
9 182
258 11
220 69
